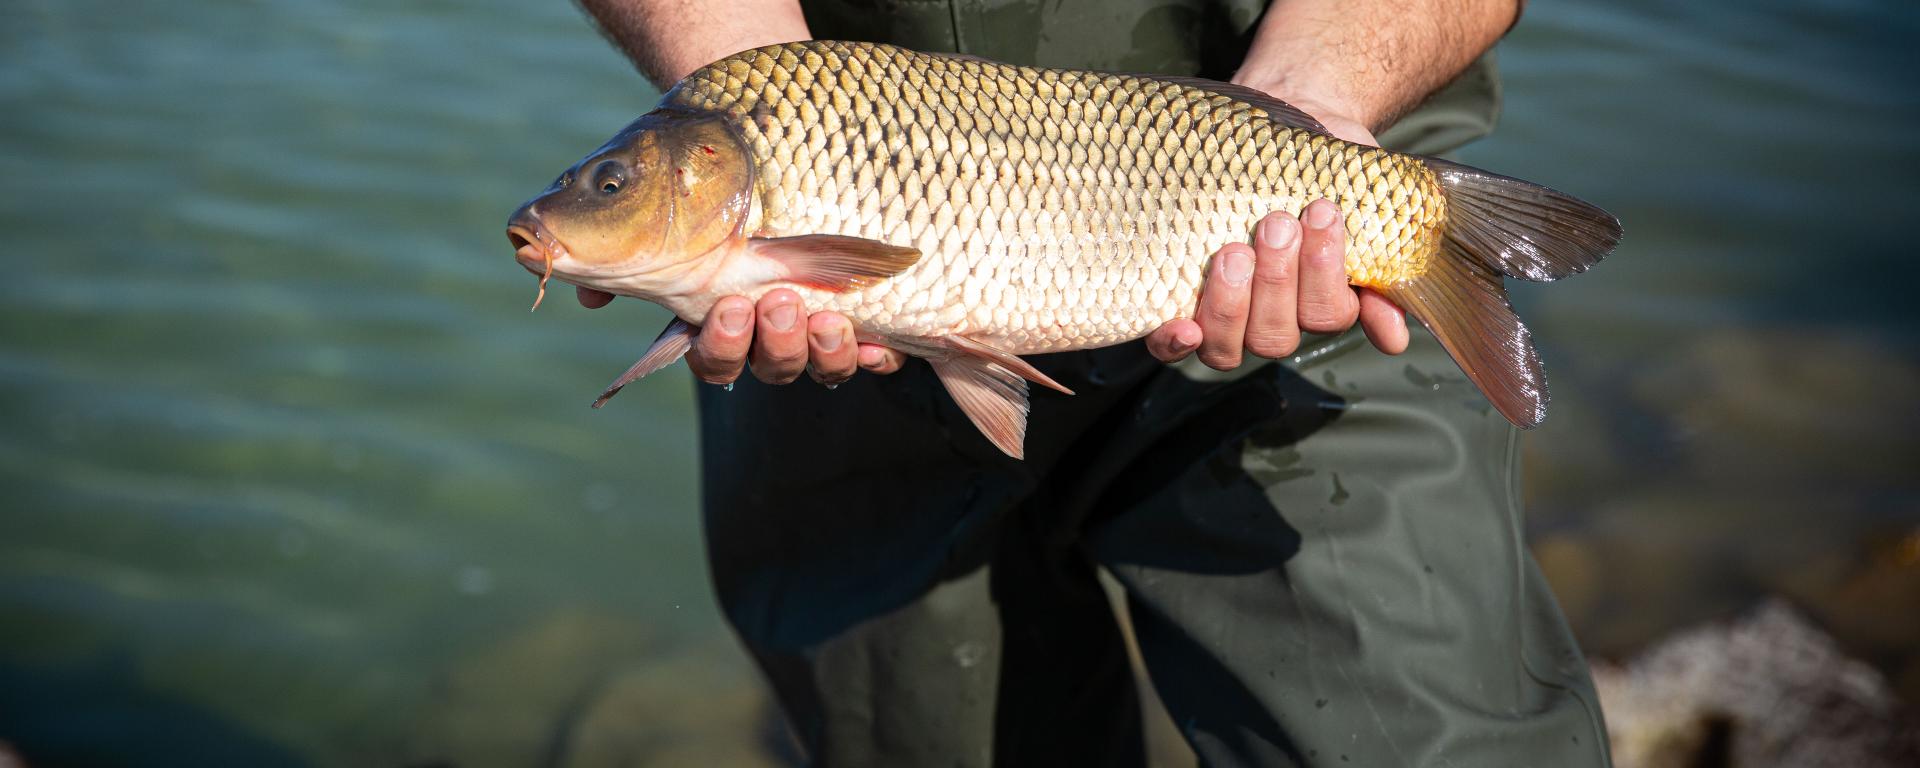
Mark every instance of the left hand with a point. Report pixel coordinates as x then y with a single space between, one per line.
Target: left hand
1292 279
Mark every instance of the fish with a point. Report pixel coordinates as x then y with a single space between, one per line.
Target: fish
968 212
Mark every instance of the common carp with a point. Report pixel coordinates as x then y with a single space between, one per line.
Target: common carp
968 212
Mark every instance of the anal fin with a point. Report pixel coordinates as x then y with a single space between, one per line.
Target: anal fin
671 345
1464 304
1008 360
992 396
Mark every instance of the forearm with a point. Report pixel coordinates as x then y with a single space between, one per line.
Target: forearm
667 39
1370 60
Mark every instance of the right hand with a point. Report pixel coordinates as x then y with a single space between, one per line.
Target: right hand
769 337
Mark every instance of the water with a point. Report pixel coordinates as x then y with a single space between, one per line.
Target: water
291 476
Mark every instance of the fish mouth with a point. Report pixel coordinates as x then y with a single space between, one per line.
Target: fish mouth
533 246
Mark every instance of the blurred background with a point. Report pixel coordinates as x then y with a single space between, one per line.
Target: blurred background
289 476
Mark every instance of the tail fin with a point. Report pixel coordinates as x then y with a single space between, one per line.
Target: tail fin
1499 226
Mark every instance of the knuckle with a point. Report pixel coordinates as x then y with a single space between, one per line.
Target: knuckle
787 365
1327 258
1272 278
708 366
1323 319
831 378
836 366
772 375
1221 355
1224 313
1273 344
1221 361
715 375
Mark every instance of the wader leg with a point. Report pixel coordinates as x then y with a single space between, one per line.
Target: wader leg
1344 582
886 568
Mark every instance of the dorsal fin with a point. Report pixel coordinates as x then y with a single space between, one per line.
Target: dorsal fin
1281 112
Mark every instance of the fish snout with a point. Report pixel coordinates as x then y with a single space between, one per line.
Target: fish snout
533 246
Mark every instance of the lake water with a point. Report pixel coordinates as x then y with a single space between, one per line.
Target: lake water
289 476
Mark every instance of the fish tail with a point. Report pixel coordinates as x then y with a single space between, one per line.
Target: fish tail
1500 227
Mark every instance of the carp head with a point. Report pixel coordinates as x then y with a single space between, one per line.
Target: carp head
639 215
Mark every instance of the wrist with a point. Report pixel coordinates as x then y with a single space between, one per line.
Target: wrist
1316 95
1342 117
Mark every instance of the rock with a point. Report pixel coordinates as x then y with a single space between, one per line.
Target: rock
1765 690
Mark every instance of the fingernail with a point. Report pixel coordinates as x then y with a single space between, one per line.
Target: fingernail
733 320
1236 266
782 317
1277 232
1320 215
828 341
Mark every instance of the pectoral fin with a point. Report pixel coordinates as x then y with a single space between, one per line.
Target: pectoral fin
992 396
671 345
835 262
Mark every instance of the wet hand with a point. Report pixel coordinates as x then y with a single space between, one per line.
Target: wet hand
1291 280
776 338
1261 298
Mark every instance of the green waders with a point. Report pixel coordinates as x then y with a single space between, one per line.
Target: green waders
1322 557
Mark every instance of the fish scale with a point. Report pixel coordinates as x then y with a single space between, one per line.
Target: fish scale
1054 209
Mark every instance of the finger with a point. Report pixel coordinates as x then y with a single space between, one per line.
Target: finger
1171 343
878 359
1385 324
1273 321
590 298
1223 307
833 356
779 338
721 347
1327 303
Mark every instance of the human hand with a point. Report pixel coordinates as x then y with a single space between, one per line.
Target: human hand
770 338
1292 279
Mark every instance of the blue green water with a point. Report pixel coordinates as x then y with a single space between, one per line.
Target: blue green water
288 474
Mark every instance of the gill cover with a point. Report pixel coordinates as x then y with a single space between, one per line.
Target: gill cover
668 188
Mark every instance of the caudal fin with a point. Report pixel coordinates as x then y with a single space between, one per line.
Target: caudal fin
1500 227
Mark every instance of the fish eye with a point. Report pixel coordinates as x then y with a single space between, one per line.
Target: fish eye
609 175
